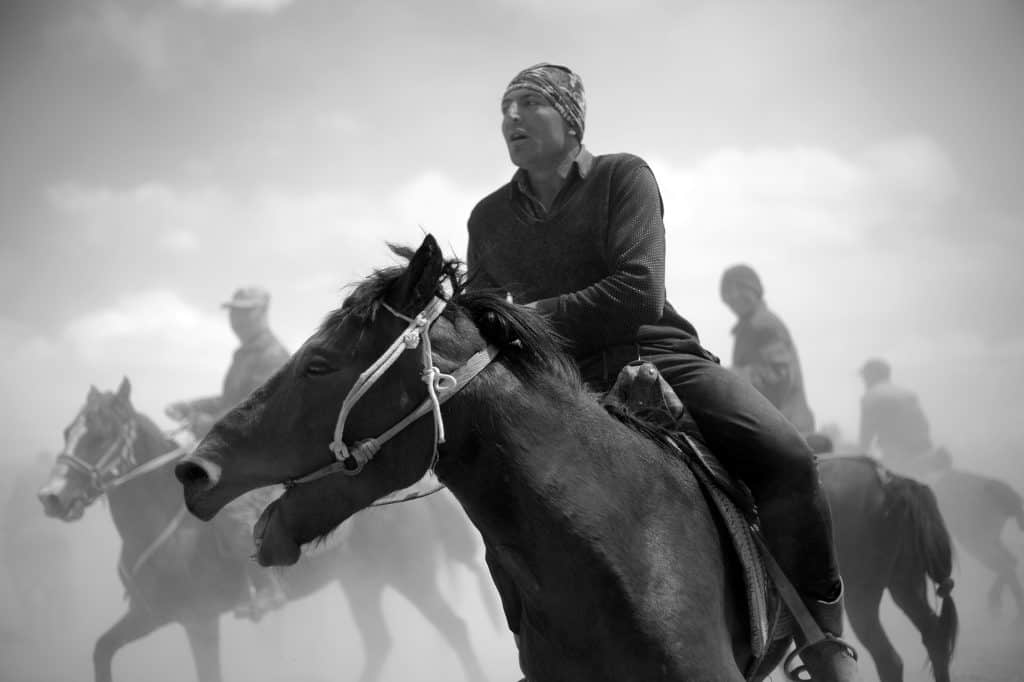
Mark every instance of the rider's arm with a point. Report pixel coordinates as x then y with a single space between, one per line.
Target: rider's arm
773 372
633 293
208 405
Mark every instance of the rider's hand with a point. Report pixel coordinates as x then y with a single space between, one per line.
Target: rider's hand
202 423
177 411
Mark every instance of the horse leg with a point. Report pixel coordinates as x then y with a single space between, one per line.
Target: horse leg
862 605
993 554
204 640
911 597
995 593
422 591
1018 593
135 624
365 601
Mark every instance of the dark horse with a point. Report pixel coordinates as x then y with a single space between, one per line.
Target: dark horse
889 534
173 567
605 551
976 508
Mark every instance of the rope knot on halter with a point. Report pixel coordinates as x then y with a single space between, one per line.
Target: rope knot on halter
411 338
363 451
437 381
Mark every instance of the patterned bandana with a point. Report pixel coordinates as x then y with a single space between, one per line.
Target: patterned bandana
562 87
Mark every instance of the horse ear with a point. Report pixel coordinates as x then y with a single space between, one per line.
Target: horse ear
420 280
124 391
93 394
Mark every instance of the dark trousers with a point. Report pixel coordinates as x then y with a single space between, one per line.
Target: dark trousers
756 443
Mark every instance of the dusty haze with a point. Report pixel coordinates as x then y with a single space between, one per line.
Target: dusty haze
862 156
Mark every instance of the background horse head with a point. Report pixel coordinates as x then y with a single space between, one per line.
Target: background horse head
100 447
602 546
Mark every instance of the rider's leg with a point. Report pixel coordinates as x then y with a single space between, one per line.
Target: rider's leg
263 587
267 591
759 446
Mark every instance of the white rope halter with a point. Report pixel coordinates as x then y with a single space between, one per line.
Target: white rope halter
441 387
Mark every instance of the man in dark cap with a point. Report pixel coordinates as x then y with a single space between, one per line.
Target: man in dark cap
256 359
763 351
580 238
891 418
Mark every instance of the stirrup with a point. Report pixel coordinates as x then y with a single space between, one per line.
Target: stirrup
794 672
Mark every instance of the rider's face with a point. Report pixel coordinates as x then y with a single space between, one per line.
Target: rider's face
245 321
740 299
535 133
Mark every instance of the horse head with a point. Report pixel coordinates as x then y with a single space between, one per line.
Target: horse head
346 420
98 447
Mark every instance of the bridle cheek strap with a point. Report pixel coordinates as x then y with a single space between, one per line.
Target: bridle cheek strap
121 450
440 388
409 339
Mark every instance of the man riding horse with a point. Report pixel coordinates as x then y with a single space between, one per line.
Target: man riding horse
763 350
891 418
259 355
580 238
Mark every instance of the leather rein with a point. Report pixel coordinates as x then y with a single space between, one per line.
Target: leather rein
103 475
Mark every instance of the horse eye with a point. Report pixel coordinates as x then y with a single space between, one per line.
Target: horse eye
318 367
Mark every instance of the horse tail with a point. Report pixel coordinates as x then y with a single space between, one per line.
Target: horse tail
925 533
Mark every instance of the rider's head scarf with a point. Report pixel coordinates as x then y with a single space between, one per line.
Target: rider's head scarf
744 276
562 87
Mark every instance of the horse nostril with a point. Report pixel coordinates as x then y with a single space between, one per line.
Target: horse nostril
197 473
51 503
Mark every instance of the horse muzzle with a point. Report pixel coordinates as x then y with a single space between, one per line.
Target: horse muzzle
199 477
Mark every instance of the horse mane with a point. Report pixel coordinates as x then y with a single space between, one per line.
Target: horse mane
529 345
368 294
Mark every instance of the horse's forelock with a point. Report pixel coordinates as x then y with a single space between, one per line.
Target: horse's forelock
367 295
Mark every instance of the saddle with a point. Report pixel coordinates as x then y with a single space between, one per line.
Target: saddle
643 394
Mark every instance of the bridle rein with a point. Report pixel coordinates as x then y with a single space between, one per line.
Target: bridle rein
441 387
105 474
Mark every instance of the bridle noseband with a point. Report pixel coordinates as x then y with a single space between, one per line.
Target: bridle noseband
350 460
107 467
105 474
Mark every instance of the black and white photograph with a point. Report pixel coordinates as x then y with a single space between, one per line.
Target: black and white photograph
495 341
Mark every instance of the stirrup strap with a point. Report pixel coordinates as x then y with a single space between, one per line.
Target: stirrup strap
801 614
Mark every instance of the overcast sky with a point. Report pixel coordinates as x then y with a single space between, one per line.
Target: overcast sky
863 156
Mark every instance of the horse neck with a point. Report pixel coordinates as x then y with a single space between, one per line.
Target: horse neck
142 507
524 456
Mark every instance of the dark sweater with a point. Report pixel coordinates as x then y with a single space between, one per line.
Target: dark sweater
595 264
